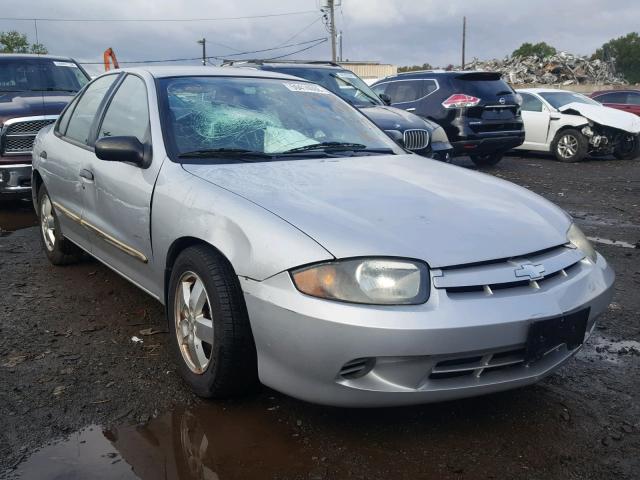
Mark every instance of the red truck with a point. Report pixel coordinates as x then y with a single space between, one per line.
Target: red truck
33 91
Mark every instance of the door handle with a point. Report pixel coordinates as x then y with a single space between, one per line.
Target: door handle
412 109
86 174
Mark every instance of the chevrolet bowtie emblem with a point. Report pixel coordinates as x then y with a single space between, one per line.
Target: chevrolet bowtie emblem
533 272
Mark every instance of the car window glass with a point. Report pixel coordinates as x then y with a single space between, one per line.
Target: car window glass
633 98
82 117
530 103
378 89
128 112
64 120
613 97
409 90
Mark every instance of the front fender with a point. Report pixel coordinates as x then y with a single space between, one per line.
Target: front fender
257 243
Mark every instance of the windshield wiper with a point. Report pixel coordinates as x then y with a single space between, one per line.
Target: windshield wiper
52 89
335 147
224 152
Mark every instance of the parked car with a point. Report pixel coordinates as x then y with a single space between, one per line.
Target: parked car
479 111
626 100
572 126
311 251
33 91
417 134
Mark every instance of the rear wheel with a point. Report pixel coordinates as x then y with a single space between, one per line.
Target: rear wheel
487 160
208 319
628 148
569 146
58 249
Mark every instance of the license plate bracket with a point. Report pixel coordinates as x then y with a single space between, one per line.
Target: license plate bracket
544 335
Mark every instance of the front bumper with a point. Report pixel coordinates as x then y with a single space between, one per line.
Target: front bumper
15 180
303 343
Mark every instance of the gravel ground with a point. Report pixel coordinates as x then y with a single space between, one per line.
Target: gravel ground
67 361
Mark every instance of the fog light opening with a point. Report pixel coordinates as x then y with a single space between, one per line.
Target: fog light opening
357 368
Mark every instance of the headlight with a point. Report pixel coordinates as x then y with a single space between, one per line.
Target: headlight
374 281
578 240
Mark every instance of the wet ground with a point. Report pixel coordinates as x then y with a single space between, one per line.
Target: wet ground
79 399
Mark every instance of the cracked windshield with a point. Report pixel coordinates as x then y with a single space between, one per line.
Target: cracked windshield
263 116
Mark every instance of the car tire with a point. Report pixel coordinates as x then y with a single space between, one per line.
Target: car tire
569 146
209 325
628 149
487 160
58 249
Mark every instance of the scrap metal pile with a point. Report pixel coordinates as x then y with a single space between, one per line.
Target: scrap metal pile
559 69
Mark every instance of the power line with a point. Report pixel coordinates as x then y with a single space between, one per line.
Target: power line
297 51
246 17
317 41
304 29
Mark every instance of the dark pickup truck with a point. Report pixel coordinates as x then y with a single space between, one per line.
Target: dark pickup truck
33 91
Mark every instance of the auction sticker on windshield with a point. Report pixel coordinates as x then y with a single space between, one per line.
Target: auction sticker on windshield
65 64
305 87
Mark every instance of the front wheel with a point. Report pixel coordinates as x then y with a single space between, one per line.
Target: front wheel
569 146
58 249
628 148
208 320
487 160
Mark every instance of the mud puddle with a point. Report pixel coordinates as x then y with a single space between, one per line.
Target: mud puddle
16 215
609 350
208 442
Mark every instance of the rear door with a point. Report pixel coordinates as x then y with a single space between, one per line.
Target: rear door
634 102
408 94
118 196
617 100
64 159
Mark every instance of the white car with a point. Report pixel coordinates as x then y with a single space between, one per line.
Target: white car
572 126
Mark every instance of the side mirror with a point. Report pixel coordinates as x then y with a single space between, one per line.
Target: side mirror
123 149
385 98
397 136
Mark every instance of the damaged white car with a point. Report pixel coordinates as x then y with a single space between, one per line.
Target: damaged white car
572 126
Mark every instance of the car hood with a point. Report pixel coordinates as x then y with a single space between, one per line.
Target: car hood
28 104
391 118
606 116
398 205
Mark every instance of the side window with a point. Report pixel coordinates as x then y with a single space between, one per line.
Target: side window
64 120
530 103
82 117
128 112
410 90
378 89
633 98
613 97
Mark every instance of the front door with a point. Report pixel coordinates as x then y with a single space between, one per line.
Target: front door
118 197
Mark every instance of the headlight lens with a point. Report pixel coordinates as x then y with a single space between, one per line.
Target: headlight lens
580 241
373 281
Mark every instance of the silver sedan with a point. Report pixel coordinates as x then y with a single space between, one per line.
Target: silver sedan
293 243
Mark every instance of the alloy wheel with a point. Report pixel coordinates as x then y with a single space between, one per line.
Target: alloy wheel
194 325
567 146
47 223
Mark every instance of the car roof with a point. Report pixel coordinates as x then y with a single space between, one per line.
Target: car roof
33 55
419 74
315 64
614 90
204 71
543 90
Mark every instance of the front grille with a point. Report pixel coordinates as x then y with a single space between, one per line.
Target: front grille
18 136
478 365
416 139
488 278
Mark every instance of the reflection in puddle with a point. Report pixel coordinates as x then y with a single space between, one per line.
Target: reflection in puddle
615 243
205 443
609 350
16 215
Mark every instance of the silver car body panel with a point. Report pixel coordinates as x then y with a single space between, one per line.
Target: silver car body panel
474 230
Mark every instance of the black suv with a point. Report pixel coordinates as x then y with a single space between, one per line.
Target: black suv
412 132
33 91
479 112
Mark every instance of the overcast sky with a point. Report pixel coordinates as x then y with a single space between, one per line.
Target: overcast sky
392 31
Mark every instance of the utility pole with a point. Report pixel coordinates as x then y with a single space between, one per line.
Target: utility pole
332 19
464 38
340 46
203 42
